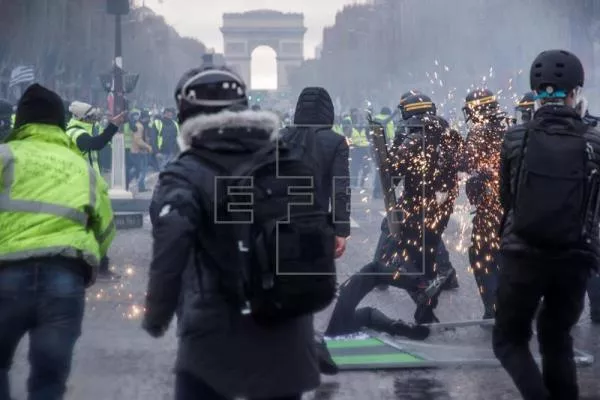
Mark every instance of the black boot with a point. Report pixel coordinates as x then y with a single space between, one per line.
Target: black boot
104 272
326 364
426 299
444 267
373 318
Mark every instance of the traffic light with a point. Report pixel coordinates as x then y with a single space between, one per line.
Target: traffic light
117 7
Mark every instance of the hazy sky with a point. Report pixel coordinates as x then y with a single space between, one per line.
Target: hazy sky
202 19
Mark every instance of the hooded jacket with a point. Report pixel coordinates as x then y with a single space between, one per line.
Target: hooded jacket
315 108
228 351
558 117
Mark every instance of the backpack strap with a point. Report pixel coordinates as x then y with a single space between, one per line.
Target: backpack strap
531 125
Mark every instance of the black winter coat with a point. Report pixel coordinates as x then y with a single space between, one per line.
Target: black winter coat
230 352
315 108
555 117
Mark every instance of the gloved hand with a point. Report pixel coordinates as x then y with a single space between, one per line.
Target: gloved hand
154 330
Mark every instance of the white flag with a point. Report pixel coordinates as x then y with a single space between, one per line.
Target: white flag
21 74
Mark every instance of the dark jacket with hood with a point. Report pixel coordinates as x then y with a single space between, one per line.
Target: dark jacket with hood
555 118
228 351
315 108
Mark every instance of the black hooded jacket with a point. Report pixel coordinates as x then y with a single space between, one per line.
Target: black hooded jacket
227 350
556 117
315 108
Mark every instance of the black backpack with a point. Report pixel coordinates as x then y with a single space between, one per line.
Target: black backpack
280 263
557 185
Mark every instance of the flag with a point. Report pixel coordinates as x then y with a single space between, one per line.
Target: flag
21 74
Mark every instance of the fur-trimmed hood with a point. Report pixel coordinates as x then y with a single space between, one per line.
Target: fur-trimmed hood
254 123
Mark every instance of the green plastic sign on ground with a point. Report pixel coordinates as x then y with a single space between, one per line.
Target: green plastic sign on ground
371 350
369 353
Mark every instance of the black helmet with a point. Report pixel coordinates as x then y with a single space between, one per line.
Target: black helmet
386 111
407 95
480 105
417 104
556 71
209 89
525 107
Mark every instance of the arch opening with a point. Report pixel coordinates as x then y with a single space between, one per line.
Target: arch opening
263 68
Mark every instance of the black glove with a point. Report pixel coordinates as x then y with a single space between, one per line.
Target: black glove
154 330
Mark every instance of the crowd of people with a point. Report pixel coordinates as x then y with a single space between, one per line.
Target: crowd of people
244 283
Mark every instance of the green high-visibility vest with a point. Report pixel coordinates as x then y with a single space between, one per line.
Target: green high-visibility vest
158 124
359 138
54 203
77 128
390 130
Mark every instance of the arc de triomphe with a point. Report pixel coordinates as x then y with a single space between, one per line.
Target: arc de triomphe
244 32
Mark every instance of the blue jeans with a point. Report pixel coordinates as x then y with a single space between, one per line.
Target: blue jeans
165 159
141 164
45 298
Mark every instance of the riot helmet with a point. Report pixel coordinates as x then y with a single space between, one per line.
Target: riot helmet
525 108
207 90
405 96
481 105
417 104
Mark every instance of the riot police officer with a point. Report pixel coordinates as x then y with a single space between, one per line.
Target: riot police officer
482 162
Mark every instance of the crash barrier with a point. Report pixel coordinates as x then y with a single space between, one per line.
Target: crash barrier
371 350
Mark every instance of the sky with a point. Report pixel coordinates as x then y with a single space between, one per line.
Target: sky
201 19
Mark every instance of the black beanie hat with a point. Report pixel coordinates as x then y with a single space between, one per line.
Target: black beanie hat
42 106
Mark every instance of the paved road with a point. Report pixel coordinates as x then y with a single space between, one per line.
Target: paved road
115 359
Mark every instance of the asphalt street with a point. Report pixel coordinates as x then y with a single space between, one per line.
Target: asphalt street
115 359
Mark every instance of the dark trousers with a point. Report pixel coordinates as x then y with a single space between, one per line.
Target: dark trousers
593 291
360 166
345 318
45 298
189 387
483 255
410 243
129 168
523 283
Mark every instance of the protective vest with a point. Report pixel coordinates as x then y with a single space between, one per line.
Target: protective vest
127 132
77 128
359 138
158 124
390 131
51 201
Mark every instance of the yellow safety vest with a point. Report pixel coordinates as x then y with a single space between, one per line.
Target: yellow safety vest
51 202
77 128
390 131
359 138
159 127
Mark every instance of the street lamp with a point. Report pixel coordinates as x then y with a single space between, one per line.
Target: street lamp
114 83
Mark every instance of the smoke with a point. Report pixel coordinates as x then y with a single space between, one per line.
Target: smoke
445 48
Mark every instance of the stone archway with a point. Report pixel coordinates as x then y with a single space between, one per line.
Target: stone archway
283 32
